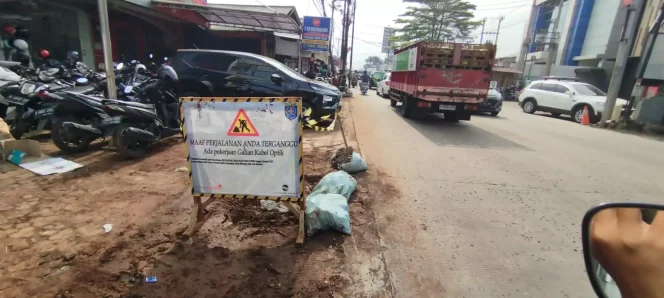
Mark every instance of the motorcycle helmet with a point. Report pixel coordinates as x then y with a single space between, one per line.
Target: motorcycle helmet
140 68
9 29
43 54
72 55
168 73
22 33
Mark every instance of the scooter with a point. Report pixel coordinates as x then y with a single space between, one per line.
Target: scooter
141 124
364 87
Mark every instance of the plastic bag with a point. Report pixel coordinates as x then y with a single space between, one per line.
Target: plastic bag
327 211
338 182
356 164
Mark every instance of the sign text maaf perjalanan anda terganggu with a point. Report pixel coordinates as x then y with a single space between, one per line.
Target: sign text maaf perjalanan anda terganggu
245 147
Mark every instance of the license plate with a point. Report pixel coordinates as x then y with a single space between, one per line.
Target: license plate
447 107
111 120
44 112
17 99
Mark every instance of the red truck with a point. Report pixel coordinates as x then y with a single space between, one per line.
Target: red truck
441 77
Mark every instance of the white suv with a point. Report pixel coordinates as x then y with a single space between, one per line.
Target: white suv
566 97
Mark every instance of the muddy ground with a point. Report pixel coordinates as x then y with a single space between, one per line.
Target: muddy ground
54 244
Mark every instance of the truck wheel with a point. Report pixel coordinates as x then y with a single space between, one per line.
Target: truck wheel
408 106
393 102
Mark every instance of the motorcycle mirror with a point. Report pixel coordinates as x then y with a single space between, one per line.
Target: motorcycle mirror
150 55
120 66
128 89
165 58
622 250
82 80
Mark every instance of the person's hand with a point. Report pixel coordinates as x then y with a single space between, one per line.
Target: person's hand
630 250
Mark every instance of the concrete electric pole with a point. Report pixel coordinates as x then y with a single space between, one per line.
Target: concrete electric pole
651 41
527 40
498 30
632 20
352 39
482 34
108 50
554 40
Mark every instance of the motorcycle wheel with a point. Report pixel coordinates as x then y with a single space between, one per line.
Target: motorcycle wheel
17 130
128 148
67 144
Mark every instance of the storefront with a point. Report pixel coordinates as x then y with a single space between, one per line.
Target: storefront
73 25
255 29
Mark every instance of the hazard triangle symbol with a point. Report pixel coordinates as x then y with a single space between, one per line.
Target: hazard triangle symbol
242 126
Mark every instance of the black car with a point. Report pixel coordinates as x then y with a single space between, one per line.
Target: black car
212 73
493 103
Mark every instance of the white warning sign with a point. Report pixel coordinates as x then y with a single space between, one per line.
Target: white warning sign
245 148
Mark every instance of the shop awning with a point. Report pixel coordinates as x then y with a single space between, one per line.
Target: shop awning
506 70
236 18
288 35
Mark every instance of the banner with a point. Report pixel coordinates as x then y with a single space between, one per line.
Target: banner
315 34
246 148
406 60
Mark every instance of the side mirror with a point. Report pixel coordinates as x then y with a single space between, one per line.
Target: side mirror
276 78
569 93
622 250
150 55
120 66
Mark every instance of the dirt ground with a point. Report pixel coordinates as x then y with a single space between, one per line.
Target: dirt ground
54 244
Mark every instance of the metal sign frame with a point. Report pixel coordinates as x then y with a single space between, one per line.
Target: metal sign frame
199 214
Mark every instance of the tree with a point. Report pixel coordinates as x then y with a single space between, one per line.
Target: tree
373 62
436 20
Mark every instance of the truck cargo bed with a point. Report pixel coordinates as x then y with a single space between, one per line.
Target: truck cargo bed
444 72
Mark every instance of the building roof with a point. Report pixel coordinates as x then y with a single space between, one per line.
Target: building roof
243 17
281 9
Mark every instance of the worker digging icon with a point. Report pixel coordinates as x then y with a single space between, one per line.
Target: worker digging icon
242 126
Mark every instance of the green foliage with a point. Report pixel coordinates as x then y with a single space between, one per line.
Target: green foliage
373 62
436 20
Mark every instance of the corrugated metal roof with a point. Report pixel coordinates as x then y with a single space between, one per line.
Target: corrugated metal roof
244 16
257 8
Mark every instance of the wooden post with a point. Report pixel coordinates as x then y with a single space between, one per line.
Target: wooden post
300 232
198 215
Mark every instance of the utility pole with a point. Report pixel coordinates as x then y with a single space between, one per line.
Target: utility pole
527 40
553 42
632 20
352 39
344 43
482 34
498 31
106 45
645 59
330 59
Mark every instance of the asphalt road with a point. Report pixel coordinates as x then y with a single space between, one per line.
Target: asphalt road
493 207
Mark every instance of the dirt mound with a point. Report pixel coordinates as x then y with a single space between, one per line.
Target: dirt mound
248 213
341 157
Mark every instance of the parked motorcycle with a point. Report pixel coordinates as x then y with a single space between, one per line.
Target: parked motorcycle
141 124
24 105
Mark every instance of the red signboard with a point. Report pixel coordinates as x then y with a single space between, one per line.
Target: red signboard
627 2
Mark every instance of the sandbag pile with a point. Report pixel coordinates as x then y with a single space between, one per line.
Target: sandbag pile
327 205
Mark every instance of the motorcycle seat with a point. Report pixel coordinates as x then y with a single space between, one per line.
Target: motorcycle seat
83 89
84 96
128 103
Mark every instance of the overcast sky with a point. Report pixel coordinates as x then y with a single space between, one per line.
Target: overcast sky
373 15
